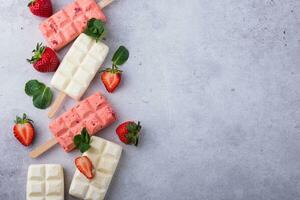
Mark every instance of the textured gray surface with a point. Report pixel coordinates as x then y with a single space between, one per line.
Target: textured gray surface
215 84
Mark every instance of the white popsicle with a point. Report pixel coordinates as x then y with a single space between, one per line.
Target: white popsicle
45 181
104 156
78 69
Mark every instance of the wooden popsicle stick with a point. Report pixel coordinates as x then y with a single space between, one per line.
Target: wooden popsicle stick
43 148
104 3
55 106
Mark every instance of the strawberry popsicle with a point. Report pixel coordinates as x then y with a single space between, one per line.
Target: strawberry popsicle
65 25
93 113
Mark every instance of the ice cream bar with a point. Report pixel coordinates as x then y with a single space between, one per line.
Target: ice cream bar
65 25
45 181
104 156
78 68
93 113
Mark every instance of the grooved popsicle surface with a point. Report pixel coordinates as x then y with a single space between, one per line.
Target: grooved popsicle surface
65 25
79 66
105 157
93 113
45 182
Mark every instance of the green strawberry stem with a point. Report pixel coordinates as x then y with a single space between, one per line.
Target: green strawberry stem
31 2
134 133
37 53
23 120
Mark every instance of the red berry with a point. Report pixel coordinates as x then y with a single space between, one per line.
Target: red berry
111 80
129 132
23 130
44 59
42 8
85 166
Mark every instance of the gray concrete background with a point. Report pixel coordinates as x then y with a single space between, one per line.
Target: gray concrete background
214 83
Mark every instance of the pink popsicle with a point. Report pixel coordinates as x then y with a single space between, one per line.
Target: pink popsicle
65 25
94 113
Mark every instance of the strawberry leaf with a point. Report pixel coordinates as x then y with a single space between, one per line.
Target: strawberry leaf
37 53
133 133
23 120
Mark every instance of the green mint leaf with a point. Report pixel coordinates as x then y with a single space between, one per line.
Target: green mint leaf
82 141
95 29
84 147
77 140
85 135
120 56
33 87
43 99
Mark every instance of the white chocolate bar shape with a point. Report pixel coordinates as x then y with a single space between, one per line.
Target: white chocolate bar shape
105 156
45 182
79 66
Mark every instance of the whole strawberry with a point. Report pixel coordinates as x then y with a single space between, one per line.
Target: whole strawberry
44 59
129 132
23 130
42 8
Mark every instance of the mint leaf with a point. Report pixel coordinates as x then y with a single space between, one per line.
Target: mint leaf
43 99
82 141
120 56
77 140
95 29
33 87
41 94
84 147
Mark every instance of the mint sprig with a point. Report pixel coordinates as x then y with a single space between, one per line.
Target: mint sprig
42 95
95 29
82 141
119 58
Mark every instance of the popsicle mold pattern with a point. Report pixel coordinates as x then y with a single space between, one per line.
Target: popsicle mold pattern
94 113
65 25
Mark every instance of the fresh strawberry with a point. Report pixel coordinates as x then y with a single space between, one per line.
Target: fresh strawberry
44 59
111 79
129 132
85 166
23 130
42 8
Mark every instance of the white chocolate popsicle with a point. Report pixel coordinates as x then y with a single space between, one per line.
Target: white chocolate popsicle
78 69
104 156
45 181
79 66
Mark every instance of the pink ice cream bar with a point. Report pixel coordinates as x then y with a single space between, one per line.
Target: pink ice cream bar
65 25
94 113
